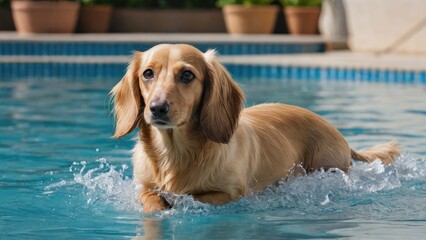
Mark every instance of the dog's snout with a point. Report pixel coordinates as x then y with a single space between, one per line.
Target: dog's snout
159 108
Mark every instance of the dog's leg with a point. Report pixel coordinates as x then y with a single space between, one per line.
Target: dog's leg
215 198
152 202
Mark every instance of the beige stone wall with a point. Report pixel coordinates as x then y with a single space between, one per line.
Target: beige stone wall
167 21
390 26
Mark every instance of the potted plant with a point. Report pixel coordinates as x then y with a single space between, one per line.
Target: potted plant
302 15
249 16
95 16
34 16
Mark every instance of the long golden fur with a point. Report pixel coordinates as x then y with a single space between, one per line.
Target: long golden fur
196 138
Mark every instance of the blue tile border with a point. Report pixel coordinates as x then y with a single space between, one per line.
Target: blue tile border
16 71
35 48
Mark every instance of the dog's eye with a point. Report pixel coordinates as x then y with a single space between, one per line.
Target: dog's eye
148 74
187 76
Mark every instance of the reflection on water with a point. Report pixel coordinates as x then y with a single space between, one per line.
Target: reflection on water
62 175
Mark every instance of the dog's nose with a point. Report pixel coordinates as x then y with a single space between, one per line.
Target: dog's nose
159 108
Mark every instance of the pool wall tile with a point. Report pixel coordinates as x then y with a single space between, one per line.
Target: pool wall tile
32 48
18 70
422 77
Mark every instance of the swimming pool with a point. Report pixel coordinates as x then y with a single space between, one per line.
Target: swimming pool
62 176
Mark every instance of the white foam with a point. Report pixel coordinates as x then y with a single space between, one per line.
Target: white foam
109 184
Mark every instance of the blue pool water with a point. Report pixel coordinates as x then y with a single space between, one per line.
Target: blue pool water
63 177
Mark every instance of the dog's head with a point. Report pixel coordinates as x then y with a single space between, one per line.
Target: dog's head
171 86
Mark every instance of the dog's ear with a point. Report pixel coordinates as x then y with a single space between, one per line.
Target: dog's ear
222 101
128 101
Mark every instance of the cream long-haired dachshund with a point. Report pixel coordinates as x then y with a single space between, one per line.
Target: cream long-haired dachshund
195 136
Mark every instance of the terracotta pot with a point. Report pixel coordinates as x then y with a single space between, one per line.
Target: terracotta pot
94 19
45 16
302 20
241 19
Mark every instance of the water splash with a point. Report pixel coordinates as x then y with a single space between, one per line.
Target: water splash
410 167
104 183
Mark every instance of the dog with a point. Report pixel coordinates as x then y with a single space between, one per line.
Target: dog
196 137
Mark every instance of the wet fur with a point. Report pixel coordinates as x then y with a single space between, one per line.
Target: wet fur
214 149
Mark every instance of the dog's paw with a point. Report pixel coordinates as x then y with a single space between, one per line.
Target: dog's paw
155 203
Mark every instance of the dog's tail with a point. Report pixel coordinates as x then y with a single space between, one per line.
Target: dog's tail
386 152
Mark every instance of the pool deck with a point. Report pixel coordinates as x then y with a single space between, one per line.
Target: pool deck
336 59
162 37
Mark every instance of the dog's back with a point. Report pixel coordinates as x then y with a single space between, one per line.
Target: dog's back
288 136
